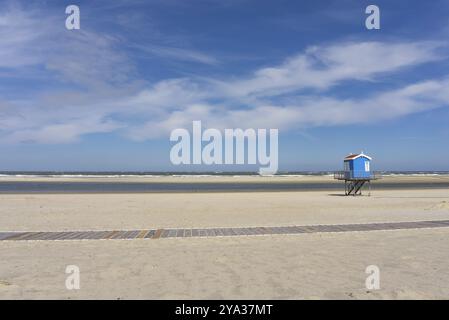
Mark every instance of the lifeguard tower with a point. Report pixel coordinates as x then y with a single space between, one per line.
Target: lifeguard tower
357 172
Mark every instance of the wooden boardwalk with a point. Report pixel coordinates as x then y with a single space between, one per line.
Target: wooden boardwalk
215 232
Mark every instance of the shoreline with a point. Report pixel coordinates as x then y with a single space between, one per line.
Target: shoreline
209 184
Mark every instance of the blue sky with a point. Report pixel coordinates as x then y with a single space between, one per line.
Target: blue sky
106 97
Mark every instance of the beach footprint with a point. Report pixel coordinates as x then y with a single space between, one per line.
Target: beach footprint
4 283
442 205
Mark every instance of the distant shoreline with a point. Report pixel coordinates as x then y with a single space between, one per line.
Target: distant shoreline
181 174
205 184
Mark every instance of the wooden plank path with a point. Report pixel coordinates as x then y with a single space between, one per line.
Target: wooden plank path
215 232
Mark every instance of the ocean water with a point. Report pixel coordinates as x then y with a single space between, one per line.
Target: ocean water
149 174
117 186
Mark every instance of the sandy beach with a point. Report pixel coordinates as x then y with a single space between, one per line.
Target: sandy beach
228 150
413 263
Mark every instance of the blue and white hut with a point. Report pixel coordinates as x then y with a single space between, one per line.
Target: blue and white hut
356 172
357 166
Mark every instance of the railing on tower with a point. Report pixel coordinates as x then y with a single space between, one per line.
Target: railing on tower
356 175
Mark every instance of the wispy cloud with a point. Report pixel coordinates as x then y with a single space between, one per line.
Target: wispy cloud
98 89
173 53
19 29
326 66
265 99
310 111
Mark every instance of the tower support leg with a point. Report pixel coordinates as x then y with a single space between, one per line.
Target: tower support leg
354 187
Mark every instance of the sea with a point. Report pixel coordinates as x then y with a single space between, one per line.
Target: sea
116 185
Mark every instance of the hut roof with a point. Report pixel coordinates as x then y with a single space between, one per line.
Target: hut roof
355 156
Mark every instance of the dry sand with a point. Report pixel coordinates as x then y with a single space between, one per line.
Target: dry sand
66 212
413 263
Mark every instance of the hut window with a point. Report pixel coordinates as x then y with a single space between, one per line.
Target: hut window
367 166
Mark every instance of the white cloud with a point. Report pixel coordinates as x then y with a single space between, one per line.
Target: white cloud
319 68
177 54
311 111
323 67
18 30
290 95
69 131
82 57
